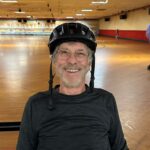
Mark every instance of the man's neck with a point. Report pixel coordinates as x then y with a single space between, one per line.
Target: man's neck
72 91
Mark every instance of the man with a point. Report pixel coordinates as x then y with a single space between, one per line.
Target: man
73 115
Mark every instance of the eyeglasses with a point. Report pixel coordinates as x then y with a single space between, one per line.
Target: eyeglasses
65 54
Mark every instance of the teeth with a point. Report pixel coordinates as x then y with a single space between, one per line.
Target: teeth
72 70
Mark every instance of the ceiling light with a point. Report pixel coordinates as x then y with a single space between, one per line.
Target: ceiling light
29 16
69 17
100 2
80 14
87 10
18 12
8 1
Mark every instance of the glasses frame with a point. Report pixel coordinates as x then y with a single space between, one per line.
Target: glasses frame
65 54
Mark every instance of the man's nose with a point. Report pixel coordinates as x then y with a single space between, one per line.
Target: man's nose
72 58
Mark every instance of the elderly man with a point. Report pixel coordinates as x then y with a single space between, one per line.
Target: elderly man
72 115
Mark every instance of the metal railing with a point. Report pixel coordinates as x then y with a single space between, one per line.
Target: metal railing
9 126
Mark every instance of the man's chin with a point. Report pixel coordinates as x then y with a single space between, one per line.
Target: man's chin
72 83
73 80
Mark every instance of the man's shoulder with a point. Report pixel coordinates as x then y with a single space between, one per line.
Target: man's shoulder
105 97
41 94
39 97
102 92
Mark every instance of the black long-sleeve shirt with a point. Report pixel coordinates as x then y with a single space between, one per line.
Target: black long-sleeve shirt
88 121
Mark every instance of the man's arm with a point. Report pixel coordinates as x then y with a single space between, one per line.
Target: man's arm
27 138
116 136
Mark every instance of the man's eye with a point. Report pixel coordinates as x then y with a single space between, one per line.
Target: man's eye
81 54
63 52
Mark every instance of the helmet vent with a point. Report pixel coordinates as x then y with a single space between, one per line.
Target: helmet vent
91 38
61 33
83 33
71 31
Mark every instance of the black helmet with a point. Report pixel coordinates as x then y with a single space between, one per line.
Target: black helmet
71 32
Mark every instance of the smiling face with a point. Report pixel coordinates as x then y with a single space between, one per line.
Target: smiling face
72 63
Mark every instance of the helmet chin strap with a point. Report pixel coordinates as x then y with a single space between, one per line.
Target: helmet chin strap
51 103
92 73
51 79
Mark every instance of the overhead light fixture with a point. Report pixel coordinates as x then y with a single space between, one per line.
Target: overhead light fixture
29 16
8 1
80 14
18 12
87 10
69 17
100 2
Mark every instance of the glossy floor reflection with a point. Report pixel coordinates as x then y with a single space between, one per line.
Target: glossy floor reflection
121 67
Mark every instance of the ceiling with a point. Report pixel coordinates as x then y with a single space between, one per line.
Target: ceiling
60 9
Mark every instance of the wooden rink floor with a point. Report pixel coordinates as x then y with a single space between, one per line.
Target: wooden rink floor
121 68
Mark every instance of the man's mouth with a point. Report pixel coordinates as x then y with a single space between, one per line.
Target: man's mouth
72 70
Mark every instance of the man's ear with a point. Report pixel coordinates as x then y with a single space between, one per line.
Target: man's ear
50 56
52 59
90 63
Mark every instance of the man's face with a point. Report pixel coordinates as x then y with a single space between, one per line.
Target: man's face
72 63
